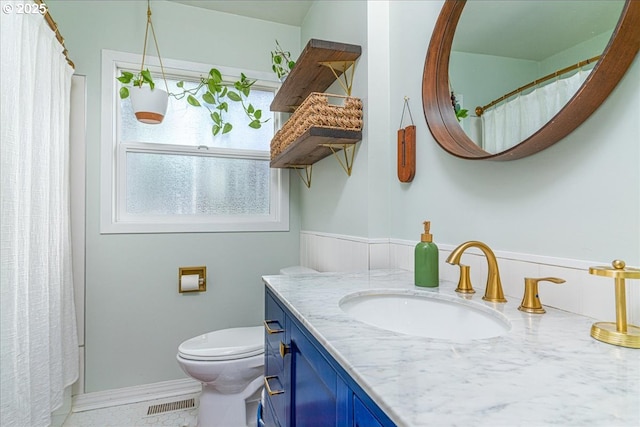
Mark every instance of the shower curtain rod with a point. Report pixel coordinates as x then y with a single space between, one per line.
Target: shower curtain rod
480 110
54 27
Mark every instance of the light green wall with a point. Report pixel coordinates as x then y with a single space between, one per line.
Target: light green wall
335 202
482 78
135 317
579 199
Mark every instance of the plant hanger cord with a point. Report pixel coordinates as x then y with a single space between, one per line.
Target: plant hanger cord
144 50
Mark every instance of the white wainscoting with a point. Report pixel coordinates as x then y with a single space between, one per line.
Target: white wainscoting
582 293
324 252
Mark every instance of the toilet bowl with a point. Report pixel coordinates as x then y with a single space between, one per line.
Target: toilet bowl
230 365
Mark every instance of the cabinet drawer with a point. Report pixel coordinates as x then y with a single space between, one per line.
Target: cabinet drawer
277 396
273 362
274 323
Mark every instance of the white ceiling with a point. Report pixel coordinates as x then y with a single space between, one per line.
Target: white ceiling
290 12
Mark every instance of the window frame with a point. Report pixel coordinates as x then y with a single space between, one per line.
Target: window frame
113 217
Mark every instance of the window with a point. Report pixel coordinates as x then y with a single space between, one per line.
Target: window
177 176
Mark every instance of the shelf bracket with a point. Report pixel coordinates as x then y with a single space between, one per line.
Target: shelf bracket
342 66
307 170
349 151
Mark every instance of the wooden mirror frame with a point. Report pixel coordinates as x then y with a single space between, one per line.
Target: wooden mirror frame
436 97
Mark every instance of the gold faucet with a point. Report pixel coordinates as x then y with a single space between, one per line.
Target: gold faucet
531 301
493 291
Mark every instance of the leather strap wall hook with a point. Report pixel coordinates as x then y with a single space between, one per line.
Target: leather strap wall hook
406 147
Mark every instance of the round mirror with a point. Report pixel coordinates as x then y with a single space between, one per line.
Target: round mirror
531 90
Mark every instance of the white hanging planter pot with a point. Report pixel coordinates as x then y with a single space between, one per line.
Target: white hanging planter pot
149 105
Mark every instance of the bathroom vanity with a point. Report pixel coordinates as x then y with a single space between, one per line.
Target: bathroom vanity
324 367
304 383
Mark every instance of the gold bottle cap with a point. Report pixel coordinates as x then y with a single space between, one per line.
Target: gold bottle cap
618 270
426 236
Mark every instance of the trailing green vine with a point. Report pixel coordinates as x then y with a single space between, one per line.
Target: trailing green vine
281 62
215 96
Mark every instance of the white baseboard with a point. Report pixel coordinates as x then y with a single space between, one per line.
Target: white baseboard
135 394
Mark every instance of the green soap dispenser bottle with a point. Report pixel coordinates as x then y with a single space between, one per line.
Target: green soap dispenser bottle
426 260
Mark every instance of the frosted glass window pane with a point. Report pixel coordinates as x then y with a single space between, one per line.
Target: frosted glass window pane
167 184
185 124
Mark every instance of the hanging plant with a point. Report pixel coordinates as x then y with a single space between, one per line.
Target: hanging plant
211 92
149 104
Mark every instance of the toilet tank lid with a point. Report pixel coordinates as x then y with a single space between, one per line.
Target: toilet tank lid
224 344
297 269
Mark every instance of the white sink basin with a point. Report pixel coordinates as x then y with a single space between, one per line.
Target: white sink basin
431 316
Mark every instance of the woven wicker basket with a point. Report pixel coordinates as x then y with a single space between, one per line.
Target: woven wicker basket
316 111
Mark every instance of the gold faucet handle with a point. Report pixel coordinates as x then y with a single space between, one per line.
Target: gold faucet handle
464 283
531 301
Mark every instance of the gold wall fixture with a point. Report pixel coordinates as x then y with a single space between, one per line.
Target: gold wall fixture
531 301
342 67
493 292
189 271
619 333
349 151
308 169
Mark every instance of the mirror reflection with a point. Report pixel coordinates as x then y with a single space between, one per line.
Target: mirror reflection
521 62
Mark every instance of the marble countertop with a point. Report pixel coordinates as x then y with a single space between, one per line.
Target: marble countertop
546 371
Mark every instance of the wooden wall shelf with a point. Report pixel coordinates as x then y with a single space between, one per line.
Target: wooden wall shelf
311 75
320 64
313 146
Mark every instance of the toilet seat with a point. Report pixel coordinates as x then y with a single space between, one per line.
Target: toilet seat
225 344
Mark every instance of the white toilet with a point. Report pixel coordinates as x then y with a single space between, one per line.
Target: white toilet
230 365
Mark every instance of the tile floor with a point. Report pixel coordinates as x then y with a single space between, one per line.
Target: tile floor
135 415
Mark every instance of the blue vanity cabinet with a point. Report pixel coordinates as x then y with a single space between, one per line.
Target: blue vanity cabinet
362 416
316 390
276 365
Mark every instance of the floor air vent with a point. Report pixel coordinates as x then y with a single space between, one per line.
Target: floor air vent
171 406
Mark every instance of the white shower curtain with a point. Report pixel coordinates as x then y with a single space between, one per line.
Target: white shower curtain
38 329
517 119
